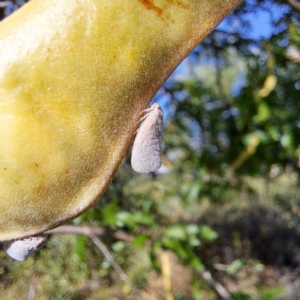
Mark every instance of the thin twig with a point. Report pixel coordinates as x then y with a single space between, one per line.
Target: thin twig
31 292
87 230
118 269
294 4
217 287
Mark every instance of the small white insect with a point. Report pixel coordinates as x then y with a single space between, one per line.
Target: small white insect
147 146
20 249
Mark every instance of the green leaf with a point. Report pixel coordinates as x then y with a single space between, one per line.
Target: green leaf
193 241
208 234
263 113
286 140
196 262
80 247
192 229
258 266
272 293
118 246
175 232
153 257
109 213
254 138
125 218
177 247
140 240
234 266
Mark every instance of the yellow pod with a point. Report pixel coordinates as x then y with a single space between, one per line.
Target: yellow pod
75 77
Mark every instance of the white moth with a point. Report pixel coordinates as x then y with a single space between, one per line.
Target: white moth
20 249
147 146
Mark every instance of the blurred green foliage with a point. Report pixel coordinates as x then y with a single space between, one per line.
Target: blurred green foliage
227 199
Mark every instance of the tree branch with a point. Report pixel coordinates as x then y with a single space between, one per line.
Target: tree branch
86 230
217 287
294 4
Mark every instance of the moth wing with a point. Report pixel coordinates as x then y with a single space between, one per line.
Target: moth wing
22 248
147 146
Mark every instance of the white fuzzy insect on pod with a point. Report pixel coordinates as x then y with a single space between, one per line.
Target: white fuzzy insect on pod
20 249
147 146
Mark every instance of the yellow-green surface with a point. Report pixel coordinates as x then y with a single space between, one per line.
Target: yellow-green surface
75 77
